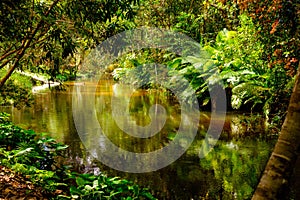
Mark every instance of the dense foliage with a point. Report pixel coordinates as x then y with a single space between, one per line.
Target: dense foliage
251 47
17 91
43 36
35 156
254 49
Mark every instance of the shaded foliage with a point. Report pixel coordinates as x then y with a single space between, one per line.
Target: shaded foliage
34 156
45 32
17 91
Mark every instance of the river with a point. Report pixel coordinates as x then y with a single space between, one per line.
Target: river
230 171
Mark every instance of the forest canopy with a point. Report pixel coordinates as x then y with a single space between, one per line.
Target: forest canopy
255 41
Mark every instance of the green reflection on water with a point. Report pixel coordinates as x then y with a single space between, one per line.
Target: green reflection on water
230 171
237 166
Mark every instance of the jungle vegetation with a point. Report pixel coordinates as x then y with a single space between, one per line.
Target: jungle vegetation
252 46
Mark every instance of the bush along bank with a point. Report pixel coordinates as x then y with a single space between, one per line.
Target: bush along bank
28 169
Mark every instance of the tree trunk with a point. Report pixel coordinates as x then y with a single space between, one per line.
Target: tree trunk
274 181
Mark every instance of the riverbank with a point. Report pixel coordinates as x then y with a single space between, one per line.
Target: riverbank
29 170
243 136
46 83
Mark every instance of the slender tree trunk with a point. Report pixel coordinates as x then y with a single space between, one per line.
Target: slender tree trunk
275 179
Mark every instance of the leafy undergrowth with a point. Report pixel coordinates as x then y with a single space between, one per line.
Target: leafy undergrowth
17 90
28 170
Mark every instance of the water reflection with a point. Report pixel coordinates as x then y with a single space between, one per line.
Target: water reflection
230 171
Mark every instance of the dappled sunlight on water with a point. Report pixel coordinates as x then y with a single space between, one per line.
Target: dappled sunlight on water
229 171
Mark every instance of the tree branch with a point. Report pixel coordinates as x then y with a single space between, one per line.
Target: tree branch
21 53
9 53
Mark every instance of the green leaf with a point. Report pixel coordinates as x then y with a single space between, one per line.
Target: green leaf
23 152
62 147
205 101
80 181
75 196
88 187
75 191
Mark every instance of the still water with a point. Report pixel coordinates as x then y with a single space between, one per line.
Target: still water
230 171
